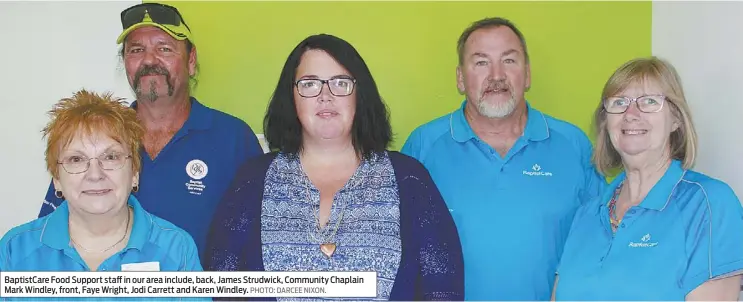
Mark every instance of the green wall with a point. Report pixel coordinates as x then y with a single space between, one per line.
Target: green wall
410 48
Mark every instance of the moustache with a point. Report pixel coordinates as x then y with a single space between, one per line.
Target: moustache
150 70
495 86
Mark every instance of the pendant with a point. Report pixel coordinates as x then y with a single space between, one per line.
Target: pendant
328 249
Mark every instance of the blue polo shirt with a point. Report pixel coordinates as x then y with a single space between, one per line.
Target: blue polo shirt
185 182
689 229
513 213
44 245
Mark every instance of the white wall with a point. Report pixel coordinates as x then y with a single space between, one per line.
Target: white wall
704 41
49 50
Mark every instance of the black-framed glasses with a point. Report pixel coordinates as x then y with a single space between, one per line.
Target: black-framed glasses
340 86
645 103
159 13
76 164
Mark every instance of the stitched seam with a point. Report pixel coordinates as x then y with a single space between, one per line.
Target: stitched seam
709 209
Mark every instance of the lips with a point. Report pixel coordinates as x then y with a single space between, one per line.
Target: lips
634 131
327 113
497 89
97 192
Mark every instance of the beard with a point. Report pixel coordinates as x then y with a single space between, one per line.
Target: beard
497 109
152 94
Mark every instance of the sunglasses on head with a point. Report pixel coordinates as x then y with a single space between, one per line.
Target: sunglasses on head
159 13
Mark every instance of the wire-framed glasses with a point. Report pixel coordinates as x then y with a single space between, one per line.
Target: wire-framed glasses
339 86
75 164
645 103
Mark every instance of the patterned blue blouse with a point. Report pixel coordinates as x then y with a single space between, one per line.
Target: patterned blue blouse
365 211
390 219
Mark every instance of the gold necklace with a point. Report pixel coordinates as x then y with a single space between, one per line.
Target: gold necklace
126 232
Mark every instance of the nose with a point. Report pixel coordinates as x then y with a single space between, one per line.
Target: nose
95 172
497 72
633 112
149 57
325 95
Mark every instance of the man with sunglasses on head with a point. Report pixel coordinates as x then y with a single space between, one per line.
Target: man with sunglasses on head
190 151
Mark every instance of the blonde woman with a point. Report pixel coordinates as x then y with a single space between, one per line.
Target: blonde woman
661 231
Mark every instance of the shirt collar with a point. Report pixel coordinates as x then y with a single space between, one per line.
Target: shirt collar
56 232
660 195
536 125
199 118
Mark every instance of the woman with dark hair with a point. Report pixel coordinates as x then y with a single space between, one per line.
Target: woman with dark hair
331 197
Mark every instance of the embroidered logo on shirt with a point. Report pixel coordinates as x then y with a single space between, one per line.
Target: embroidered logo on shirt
536 170
644 242
197 170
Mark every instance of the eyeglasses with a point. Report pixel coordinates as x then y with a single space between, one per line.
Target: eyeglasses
159 13
309 88
77 164
645 103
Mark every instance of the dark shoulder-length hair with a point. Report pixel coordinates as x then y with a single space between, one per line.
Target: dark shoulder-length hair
371 131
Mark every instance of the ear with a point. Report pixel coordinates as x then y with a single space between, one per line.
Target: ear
135 179
460 79
528 78
57 185
192 61
676 126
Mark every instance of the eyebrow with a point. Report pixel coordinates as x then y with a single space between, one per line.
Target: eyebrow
509 52
133 44
159 43
108 149
315 77
479 55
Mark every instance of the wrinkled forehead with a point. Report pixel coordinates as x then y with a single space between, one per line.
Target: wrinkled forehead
150 34
90 140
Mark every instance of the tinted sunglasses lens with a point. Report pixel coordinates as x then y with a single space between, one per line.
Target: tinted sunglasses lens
158 14
132 16
164 15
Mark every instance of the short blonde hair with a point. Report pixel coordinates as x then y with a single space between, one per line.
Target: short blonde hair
89 113
640 71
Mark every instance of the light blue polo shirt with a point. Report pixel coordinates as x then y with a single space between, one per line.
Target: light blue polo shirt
44 245
186 181
512 213
689 229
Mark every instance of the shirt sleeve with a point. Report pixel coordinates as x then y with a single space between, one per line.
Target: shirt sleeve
715 237
192 263
253 144
440 250
595 183
51 202
412 146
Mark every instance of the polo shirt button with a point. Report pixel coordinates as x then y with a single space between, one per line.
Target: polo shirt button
631 211
622 225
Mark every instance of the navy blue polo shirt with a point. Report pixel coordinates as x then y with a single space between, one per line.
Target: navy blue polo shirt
687 230
186 181
513 213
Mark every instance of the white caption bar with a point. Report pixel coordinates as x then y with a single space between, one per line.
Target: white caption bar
188 284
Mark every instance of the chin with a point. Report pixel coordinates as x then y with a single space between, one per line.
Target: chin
633 150
99 205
